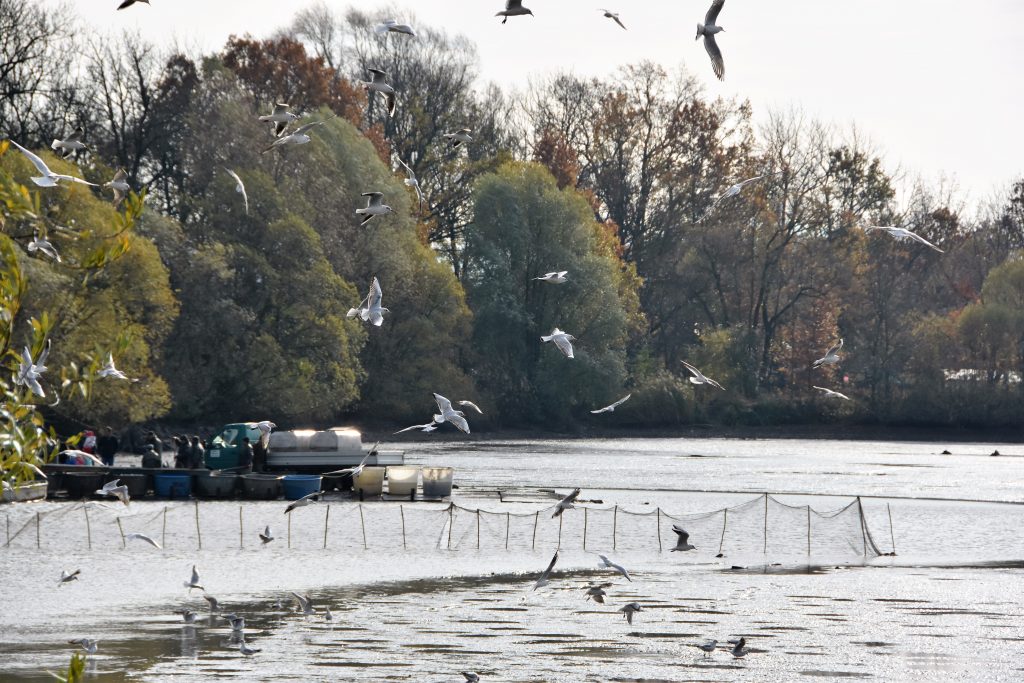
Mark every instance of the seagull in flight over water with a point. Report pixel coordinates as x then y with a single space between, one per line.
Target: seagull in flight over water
699 378
115 489
902 234
303 502
831 356
683 540
449 414
629 610
566 503
194 581
611 408
542 580
267 536
562 340
608 564
832 394
66 576
708 29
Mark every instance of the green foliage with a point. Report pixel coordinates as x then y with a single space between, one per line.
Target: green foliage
76 669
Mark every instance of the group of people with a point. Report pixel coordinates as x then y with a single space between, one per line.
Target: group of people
189 452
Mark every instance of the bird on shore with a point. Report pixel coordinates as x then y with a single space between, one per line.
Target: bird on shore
831 356
682 540
554 278
471 677
739 650
413 182
708 29
513 8
67 577
378 83
43 246
305 604
302 502
327 614
699 378
246 650
299 136
188 616
46 177
71 143
237 622
608 564
829 393
459 136
392 26
193 582
134 536
902 234
239 188
280 117
543 579
119 186
614 16
449 414
87 644
566 503
266 537
629 610
375 206
212 602
611 408
128 3
708 646
562 340
110 370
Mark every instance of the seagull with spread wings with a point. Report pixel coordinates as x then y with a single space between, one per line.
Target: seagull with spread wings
392 26
239 188
543 579
460 136
566 503
831 356
119 186
71 143
375 206
614 16
378 83
699 378
611 408
902 234
562 340
412 182
280 117
832 394
449 414
682 540
43 246
46 177
708 29
299 136
513 8
554 278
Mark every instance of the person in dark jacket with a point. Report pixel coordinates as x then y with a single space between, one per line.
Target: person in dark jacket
150 458
245 456
259 456
153 440
106 446
183 452
198 453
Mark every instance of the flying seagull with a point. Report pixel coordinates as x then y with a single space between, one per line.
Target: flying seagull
900 235
267 536
740 649
449 414
831 356
470 404
566 503
30 373
128 3
299 136
115 489
611 408
629 610
354 471
608 564
66 576
280 117
554 278
373 312
614 16
683 540
71 143
699 378
708 646
458 137
265 427
562 340
392 26
239 188
48 178
193 582
596 591
708 29
542 580
375 206
734 190
513 8
143 537
87 644
429 427
110 370
119 185
305 604
832 394
378 83
237 622
302 502
43 246
412 182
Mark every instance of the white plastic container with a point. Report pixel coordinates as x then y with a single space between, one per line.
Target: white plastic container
403 480
437 482
370 481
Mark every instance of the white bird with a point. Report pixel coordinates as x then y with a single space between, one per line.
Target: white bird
354 471
237 623
449 414
375 206
48 178
699 378
683 539
614 16
189 616
554 278
299 136
708 646
327 614
87 644
305 604
629 610
246 650
265 427
110 370
513 8
562 340
71 143
115 489
392 26
740 649
902 234
412 182
429 427
708 29
193 582
43 246
213 603
734 190
542 580
566 503
608 564
280 117
66 576
459 136
832 394
266 536
471 677
831 356
611 408
374 312
302 502
119 185
596 591
470 404
239 188
143 537
378 83
30 373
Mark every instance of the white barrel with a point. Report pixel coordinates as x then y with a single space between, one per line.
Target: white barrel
402 480
437 481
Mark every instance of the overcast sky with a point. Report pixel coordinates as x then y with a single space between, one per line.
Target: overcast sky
938 85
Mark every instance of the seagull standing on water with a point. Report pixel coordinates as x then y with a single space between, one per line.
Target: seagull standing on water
902 234
246 650
740 649
832 394
554 278
46 177
708 29
562 340
471 677
614 16
831 356
542 580
239 188
699 378
708 646
629 610
612 407
683 540
513 8
566 503
608 564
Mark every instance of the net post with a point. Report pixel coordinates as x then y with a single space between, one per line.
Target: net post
362 524
199 533
451 515
121 529
892 536
401 511
88 527
725 521
765 524
863 530
536 518
478 528
585 528
327 519
289 530
808 531
559 546
241 528
615 527
163 532
8 518
658 510
508 523
38 521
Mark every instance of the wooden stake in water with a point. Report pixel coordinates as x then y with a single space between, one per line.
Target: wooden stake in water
451 515
892 536
808 530
163 533
38 521
121 529
401 511
88 527
585 528
536 518
289 530
478 528
766 523
559 546
615 527
658 511
508 524
327 519
725 521
362 523
241 542
863 528
199 533
8 530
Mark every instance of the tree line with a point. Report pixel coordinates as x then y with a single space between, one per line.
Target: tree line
222 314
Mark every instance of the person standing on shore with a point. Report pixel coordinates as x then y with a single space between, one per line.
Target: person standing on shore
183 452
198 454
245 456
259 457
106 446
